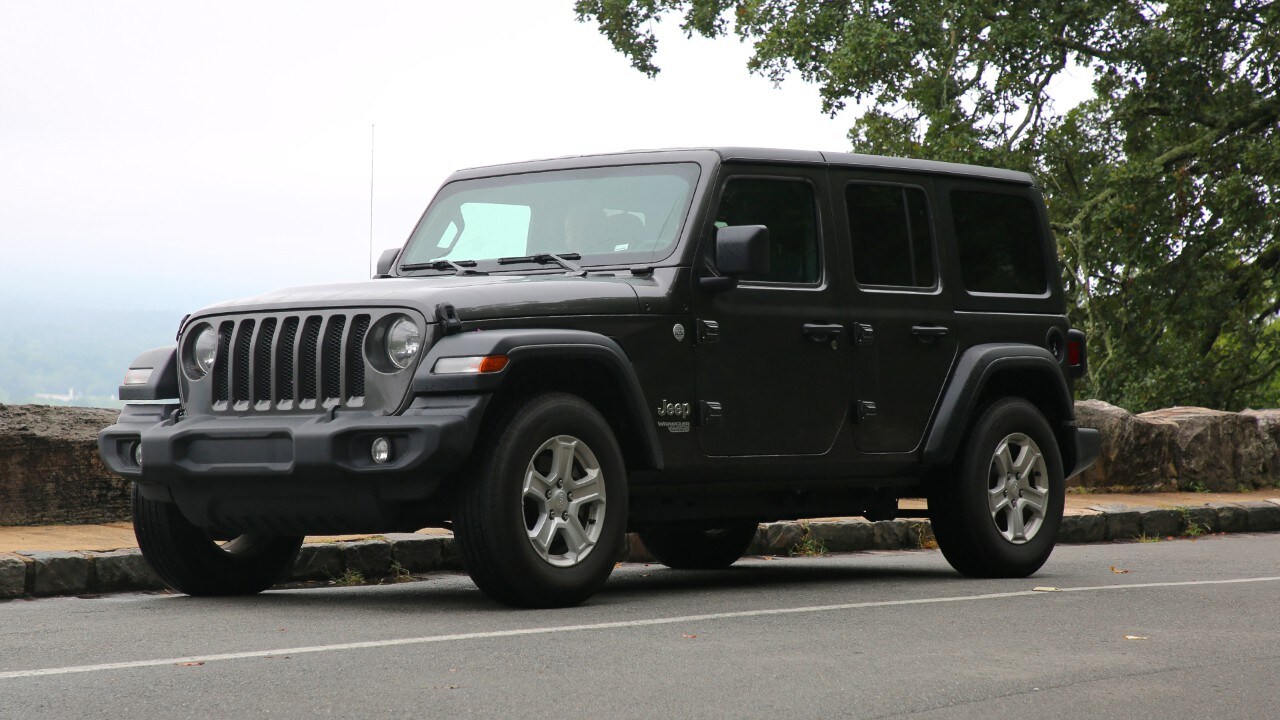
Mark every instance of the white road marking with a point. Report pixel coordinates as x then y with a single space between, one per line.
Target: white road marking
599 626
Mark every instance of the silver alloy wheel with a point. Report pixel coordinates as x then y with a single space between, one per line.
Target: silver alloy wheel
563 501
1018 488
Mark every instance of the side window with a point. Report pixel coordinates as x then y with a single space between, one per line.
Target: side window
1001 249
889 229
789 210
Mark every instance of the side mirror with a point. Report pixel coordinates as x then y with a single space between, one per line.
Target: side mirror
386 261
740 250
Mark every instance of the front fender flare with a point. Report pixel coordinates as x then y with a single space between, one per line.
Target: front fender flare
529 344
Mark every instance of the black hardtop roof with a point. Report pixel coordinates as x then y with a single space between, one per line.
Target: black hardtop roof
757 155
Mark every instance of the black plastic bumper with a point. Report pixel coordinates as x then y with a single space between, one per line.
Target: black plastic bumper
293 473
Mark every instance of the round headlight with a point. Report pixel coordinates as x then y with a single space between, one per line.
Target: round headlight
204 350
404 340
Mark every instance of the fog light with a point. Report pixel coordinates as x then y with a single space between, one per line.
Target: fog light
381 450
137 453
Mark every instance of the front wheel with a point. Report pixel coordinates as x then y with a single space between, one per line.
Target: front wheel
191 560
542 521
997 513
689 547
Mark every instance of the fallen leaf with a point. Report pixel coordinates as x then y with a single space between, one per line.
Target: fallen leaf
1046 588
645 574
1117 570
190 664
617 565
1136 637
688 636
766 557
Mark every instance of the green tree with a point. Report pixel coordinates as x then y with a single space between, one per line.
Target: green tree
1162 187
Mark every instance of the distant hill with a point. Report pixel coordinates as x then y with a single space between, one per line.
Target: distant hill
51 350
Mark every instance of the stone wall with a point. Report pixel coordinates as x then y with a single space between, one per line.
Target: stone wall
1182 448
50 471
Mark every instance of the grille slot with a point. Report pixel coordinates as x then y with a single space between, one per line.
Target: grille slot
276 362
262 361
331 358
240 362
307 352
285 371
355 350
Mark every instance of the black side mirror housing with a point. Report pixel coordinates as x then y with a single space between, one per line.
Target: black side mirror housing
386 261
740 250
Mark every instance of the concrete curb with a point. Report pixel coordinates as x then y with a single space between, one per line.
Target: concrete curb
397 556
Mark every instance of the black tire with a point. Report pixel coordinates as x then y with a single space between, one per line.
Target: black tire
495 520
189 560
689 547
976 536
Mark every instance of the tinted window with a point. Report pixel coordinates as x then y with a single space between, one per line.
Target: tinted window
788 209
1001 250
889 229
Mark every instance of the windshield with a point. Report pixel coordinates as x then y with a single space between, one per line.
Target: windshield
607 216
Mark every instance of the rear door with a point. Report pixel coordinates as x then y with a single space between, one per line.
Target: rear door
901 317
772 353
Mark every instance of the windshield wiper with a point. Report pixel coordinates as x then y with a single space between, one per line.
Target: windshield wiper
462 267
544 258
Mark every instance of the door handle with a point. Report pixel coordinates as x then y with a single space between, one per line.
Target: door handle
928 333
820 332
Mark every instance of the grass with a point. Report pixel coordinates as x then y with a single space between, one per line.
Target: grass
1149 538
808 546
400 573
349 578
1190 528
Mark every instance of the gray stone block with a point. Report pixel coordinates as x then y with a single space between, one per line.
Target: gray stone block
919 532
1231 518
370 558
1123 524
1205 517
123 570
13 576
1083 528
418 553
318 561
890 535
1161 523
781 537
1263 516
59 573
844 536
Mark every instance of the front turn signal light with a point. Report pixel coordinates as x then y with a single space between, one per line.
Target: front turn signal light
475 365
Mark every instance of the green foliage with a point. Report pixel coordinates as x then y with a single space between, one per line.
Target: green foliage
1162 188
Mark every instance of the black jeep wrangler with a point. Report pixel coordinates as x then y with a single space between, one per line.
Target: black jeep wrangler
680 343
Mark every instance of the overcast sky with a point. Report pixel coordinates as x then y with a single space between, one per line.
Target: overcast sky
166 155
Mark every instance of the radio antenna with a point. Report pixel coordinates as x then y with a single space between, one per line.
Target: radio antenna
372 129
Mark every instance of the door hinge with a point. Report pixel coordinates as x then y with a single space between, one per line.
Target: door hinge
708 332
709 413
864 410
863 334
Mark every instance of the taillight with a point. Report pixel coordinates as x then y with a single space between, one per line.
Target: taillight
1077 356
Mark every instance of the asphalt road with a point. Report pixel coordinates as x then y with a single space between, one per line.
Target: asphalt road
861 635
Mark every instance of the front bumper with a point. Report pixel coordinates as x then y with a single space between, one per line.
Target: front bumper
293 473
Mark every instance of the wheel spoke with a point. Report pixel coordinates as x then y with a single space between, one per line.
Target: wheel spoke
997 500
535 485
575 537
543 534
1036 499
1003 459
562 459
588 488
1017 531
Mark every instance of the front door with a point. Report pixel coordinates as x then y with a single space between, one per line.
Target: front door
772 354
901 315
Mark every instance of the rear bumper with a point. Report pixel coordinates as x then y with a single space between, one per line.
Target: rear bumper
303 473
1088 448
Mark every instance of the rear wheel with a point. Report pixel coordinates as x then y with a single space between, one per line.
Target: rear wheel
190 560
689 547
997 513
542 521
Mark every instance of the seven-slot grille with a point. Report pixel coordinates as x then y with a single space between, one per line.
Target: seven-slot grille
284 361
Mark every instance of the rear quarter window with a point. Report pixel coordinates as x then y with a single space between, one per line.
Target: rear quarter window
1000 243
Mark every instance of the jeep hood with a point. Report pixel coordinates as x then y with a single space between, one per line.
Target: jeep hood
474 297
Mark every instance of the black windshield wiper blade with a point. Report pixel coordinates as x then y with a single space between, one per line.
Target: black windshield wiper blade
544 258
462 267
